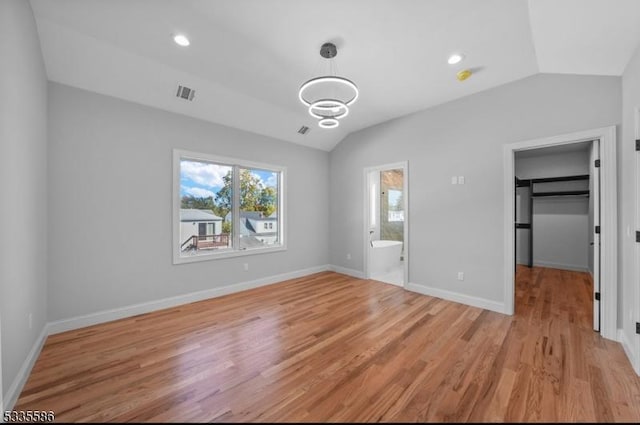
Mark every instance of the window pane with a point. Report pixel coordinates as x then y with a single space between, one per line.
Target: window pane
259 202
395 206
205 207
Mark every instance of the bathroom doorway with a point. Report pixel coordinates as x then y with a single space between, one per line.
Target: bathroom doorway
386 223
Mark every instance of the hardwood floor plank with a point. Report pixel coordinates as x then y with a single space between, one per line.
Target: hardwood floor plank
328 347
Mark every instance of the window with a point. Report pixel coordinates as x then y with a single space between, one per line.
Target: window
224 207
395 206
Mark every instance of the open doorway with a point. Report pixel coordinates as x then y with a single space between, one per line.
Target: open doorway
557 222
386 223
606 306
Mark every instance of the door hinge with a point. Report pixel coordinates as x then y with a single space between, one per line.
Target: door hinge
637 236
597 163
637 144
598 229
638 328
597 296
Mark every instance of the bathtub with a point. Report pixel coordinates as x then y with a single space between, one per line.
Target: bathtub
384 257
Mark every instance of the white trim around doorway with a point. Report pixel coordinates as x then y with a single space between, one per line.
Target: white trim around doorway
404 166
608 219
635 345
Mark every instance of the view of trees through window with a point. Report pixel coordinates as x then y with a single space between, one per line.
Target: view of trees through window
207 202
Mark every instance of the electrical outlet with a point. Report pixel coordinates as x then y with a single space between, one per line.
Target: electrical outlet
460 275
348 256
30 320
460 179
454 180
245 266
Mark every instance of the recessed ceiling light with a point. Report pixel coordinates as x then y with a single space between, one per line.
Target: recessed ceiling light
455 58
181 40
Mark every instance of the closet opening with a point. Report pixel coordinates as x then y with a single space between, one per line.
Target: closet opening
557 230
604 273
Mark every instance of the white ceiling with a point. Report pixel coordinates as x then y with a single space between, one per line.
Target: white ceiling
585 36
248 58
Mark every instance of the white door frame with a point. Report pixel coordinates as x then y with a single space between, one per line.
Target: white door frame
608 219
404 166
594 173
635 345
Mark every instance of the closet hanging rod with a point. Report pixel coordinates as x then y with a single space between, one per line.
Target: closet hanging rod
561 179
561 193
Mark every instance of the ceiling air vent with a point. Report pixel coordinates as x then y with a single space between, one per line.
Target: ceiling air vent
185 93
303 130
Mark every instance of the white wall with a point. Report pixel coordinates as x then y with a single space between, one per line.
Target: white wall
23 186
560 225
553 165
110 191
460 227
629 194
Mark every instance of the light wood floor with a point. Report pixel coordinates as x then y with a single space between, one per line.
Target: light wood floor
329 347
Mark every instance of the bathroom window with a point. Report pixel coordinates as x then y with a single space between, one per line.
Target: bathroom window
395 206
223 207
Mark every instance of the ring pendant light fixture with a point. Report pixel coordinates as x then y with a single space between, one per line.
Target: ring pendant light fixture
328 97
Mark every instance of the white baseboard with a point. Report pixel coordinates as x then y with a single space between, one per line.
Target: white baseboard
457 297
628 350
561 266
147 307
15 389
348 272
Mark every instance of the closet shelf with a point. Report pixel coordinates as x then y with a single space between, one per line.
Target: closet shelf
531 184
561 193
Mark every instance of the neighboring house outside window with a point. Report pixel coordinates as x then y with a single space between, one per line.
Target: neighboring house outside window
201 223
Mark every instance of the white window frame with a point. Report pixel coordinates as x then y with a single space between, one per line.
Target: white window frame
180 154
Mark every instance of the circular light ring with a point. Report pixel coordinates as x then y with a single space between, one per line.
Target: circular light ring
328 123
318 80
330 105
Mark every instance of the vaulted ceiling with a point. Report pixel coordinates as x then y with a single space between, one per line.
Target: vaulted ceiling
248 58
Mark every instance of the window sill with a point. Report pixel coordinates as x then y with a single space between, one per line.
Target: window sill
178 259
